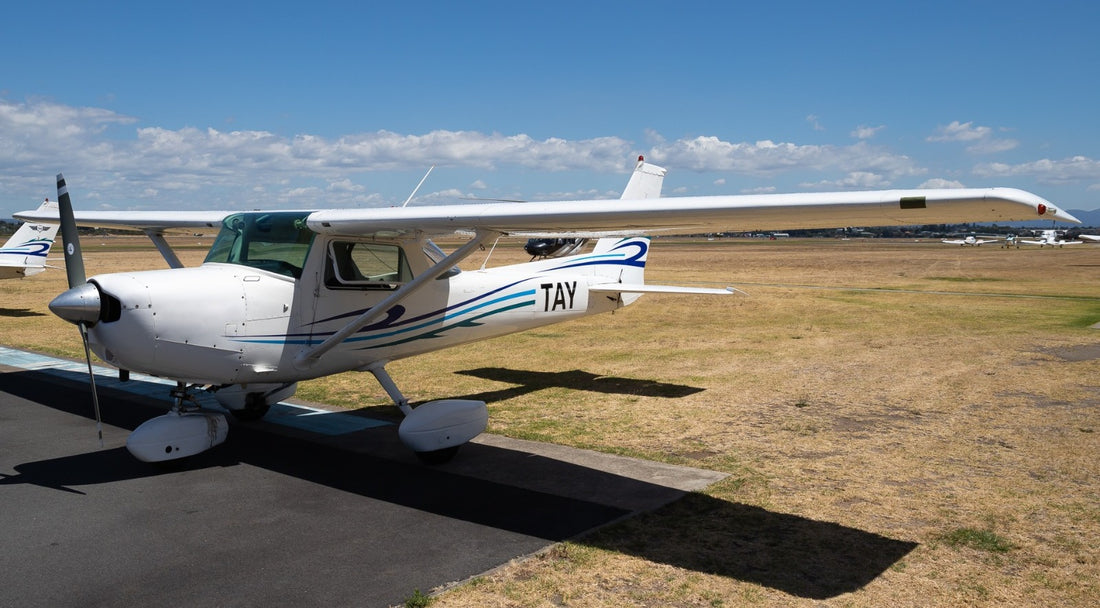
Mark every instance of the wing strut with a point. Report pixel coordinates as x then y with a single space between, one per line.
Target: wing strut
157 236
308 357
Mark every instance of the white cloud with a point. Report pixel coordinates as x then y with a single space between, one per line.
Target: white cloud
981 138
345 185
992 146
865 132
112 159
151 164
814 122
854 180
956 131
939 182
1047 171
760 190
212 168
768 159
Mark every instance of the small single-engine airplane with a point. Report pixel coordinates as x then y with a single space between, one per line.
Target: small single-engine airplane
1050 237
970 240
285 296
25 252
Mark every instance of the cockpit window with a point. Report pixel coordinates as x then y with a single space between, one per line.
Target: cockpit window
275 241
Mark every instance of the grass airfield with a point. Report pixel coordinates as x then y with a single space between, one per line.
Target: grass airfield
904 423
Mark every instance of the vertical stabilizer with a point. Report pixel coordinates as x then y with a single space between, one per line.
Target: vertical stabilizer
645 182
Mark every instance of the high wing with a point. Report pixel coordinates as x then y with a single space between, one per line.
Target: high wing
157 221
689 215
676 215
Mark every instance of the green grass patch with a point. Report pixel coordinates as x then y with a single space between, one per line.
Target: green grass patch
981 540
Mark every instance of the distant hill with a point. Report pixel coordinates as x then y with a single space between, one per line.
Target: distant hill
1088 218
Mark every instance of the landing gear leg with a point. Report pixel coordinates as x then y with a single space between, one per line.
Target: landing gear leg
182 399
388 385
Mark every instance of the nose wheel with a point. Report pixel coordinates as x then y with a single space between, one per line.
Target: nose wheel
184 431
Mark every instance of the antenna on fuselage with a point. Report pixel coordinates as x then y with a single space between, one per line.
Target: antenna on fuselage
418 186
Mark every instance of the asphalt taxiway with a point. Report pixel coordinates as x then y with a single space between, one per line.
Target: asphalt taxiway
307 507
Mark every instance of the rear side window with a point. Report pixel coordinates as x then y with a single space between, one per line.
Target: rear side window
363 265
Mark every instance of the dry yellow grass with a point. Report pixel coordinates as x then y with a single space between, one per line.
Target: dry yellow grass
856 422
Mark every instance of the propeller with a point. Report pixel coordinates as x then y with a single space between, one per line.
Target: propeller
81 303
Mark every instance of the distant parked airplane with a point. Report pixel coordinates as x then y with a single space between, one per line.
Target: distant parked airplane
970 240
1050 237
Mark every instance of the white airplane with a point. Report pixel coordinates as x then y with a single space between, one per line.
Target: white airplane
25 252
1050 237
971 240
285 296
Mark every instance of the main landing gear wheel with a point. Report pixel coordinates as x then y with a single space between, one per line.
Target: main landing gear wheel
255 407
438 457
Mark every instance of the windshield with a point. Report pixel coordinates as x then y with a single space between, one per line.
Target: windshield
274 241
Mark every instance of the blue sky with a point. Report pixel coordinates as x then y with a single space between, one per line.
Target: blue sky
233 105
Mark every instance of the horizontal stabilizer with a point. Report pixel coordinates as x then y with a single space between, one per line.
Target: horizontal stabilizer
642 288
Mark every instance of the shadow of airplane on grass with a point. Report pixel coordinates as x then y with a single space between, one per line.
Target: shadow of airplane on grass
799 556
796 555
531 381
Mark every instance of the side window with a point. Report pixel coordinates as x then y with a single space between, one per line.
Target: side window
361 265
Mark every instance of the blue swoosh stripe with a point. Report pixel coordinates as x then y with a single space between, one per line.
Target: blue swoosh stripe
276 339
471 322
446 317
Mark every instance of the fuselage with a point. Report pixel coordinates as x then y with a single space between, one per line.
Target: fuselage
239 321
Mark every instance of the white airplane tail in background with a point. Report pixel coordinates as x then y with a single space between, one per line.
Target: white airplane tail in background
25 252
